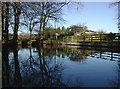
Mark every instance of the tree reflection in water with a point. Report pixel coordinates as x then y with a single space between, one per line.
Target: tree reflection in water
7 82
41 66
17 75
5 66
40 71
37 69
50 72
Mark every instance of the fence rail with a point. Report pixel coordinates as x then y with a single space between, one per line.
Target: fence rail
95 37
107 56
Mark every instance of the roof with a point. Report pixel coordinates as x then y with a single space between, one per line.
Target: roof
89 31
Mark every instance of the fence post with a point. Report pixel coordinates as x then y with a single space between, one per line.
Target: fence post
72 38
84 39
91 38
100 39
67 38
111 56
100 54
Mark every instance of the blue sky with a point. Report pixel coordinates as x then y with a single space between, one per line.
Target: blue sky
96 15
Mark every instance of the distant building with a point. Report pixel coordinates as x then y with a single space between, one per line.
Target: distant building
56 35
89 32
78 34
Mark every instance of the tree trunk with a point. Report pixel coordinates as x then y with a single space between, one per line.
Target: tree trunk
6 21
17 12
30 35
40 30
41 22
2 20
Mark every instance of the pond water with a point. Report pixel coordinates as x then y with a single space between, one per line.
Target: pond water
59 67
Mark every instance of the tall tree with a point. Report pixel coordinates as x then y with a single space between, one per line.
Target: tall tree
50 11
17 12
2 18
29 15
5 20
118 15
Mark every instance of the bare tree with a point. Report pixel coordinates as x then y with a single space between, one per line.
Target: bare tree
30 15
16 8
117 4
50 11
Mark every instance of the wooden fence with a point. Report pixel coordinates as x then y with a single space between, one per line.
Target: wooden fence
94 38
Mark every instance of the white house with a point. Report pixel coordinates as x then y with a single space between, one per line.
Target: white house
89 32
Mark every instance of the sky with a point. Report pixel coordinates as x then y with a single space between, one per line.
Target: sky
96 16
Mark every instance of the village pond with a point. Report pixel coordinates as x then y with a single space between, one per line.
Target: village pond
59 67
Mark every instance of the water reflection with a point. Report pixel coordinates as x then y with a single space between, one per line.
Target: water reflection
5 66
0 64
56 67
